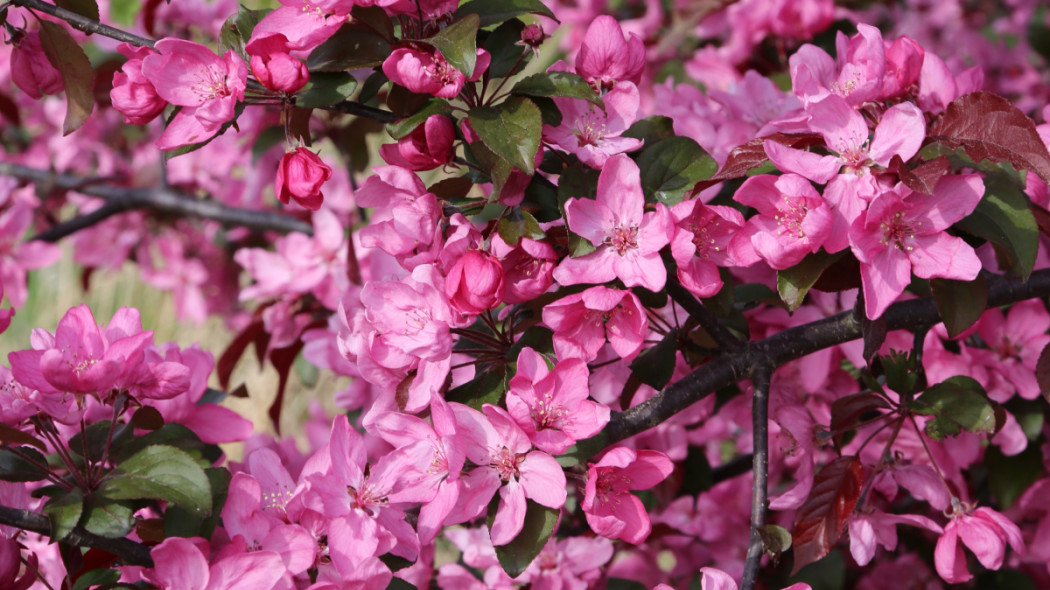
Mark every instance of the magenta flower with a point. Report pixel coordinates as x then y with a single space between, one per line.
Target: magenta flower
305 23
273 66
475 283
207 87
593 134
404 222
902 232
182 564
611 509
528 268
606 57
428 72
18 256
551 406
426 148
701 245
583 321
300 175
1015 340
793 220
133 94
5 314
985 532
31 71
627 239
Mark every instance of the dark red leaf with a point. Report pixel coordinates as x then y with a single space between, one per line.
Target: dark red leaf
282 359
233 352
149 16
923 178
847 412
1042 372
9 435
874 332
820 521
988 127
1042 218
753 153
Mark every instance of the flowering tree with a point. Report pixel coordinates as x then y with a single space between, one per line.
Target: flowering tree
727 291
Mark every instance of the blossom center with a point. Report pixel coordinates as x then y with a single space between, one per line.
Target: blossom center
790 217
507 463
897 231
623 239
703 237
591 129
547 413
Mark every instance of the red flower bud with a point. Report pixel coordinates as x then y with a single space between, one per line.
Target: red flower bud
475 283
300 176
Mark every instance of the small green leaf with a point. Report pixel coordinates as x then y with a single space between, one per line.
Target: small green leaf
86 8
505 48
488 387
960 303
64 512
237 30
458 43
651 129
175 435
161 472
493 12
353 46
179 522
519 224
1009 477
957 404
656 365
96 578
560 84
22 464
1004 218
403 127
107 518
75 68
516 556
793 283
672 167
511 130
326 88
775 539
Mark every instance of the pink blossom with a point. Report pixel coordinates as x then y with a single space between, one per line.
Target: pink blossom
1015 341
793 220
206 86
273 66
528 268
612 510
879 528
404 222
243 515
583 321
475 283
18 256
300 175
551 406
427 147
594 134
5 314
606 57
701 244
715 579
857 77
133 94
985 532
904 59
428 72
903 233
305 23
628 240
182 564
31 71
574 562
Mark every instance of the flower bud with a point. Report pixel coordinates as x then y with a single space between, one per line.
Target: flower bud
30 69
300 175
475 283
274 67
133 95
532 36
426 148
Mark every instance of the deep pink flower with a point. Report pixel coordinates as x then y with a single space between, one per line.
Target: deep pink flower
133 94
305 23
426 148
583 321
701 244
206 86
903 233
273 66
428 72
475 283
868 531
404 222
31 71
793 219
300 175
1015 340
606 57
182 564
528 268
18 255
985 532
628 240
594 134
611 509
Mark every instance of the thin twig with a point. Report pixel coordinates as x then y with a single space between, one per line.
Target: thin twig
84 23
707 320
130 552
163 200
761 378
349 107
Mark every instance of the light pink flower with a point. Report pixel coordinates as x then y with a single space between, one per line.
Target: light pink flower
594 134
903 233
627 239
1015 340
867 531
701 244
583 321
305 23
206 86
17 255
404 222
182 564
985 532
611 509
793 219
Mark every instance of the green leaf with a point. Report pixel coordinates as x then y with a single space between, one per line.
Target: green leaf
86 8
624 584
403 127
793 283
161 472
511 130
493 12
326 88
488 387
775 539
64 512
458 43
179 522
651 129
354 45
22 464
75 68
957 404
94 438
1009 477
237 30
196 146
960 303
96 578
516 556
505 48
1003 217
672 167
560 84
655 366
107 518
518 224
175 435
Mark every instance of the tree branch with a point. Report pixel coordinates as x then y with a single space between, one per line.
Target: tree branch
761 378
130 552
349 107
83 23
703 316
790 344
165 200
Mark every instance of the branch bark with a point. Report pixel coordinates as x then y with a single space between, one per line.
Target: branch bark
130 552
761 379
164 200
83 23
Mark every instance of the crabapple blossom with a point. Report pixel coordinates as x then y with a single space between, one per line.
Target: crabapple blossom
594 134
582 322
475 283
428 72
607 57
304 23
182 564
528 268
300 175
793 219
701 244
612 510
404 223
273 66
984 531
425 148
133 93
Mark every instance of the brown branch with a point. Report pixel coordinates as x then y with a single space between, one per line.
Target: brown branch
761 378
162 199
128 551
83 23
